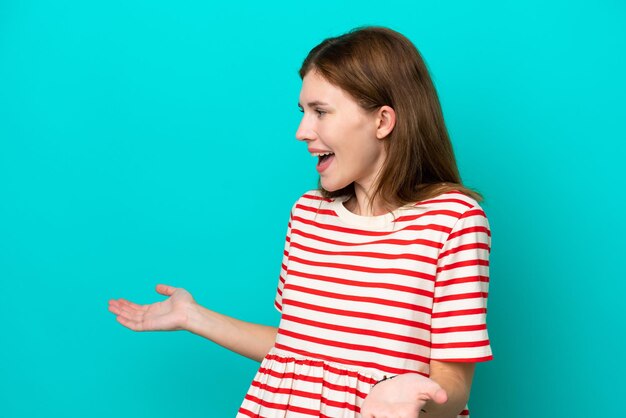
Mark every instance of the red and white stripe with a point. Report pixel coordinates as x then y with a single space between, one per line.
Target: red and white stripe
362 298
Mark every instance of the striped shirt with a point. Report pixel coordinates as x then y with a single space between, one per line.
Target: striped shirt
366 297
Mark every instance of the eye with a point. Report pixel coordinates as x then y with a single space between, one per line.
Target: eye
320 112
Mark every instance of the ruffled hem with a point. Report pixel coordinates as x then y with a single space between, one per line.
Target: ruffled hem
288 386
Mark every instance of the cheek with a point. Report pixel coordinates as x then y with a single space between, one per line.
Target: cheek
349 136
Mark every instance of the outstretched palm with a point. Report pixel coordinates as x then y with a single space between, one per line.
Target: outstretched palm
168 315
402 396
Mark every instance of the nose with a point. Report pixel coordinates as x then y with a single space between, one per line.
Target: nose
305 131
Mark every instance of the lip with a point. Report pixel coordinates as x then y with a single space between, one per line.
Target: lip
317 150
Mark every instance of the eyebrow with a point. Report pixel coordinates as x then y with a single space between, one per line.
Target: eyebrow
313 104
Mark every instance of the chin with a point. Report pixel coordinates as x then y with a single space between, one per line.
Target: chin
329 187
333 186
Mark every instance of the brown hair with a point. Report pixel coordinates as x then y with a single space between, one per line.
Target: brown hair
378 66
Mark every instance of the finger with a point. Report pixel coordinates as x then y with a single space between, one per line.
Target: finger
128 317
130 305
440 396
126 312
118 307
165 289
134 317
114 307
435 393
129 323
132 314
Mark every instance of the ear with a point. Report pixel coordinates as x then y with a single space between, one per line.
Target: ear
385 121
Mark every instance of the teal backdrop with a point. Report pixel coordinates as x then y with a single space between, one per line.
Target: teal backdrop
153 141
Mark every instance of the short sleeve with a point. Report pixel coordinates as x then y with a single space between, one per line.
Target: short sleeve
459 328
278 301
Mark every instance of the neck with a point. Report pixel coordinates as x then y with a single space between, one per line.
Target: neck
361 204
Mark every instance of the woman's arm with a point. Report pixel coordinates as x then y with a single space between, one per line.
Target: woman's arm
246 338
181 312
456 379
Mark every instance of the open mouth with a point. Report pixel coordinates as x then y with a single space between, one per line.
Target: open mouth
324 157
324 160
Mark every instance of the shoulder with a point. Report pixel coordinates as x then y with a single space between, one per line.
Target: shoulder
454 204
445 214
314 194
312 198
468 221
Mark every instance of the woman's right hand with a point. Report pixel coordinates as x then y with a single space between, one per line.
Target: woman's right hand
168 315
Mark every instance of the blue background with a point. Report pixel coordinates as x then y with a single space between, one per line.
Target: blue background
153 141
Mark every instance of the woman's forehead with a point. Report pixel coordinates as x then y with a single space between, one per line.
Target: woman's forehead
317 90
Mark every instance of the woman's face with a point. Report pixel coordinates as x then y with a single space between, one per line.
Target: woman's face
334 123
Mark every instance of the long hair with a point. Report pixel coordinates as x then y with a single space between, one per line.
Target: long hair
378 66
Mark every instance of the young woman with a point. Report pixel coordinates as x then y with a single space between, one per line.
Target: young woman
384 281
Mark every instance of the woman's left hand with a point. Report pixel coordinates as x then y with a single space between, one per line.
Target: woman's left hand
402 397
